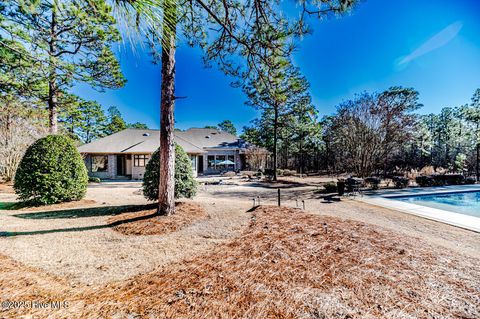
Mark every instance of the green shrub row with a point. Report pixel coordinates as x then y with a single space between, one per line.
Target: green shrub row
400 181
442 180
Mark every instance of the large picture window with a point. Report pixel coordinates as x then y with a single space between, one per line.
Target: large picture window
140 160
99 163
231 161
220 161
211 161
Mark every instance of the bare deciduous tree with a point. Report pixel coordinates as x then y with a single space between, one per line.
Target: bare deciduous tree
19 128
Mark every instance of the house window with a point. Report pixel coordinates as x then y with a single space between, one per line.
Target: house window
99 163
231 159
211 161
193 158
140 160
220 161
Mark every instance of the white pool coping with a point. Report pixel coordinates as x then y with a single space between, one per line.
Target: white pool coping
384 198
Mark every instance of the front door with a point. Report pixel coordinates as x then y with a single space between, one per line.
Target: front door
121 165
200 164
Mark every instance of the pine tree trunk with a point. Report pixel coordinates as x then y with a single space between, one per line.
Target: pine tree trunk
166 191
8 122
275 133
52 108
52 80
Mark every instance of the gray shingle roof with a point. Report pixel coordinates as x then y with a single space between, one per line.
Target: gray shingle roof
208 138
193 141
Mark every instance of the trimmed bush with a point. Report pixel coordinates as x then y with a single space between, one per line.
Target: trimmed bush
470 180
440 180
330 187
374 182
400 181
450 179
185 184
51 171
424 181
267 171
94 180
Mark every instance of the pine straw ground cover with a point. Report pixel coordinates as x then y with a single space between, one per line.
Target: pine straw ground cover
285 266
147 222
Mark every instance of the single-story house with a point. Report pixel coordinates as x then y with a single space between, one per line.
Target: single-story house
124 155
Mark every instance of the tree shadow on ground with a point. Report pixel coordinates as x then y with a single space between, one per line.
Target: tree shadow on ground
78 229
86 212
11 205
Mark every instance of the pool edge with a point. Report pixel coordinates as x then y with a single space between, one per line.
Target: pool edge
467 222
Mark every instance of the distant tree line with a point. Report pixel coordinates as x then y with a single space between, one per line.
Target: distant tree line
379 134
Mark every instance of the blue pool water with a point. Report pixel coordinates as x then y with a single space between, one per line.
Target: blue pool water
467 203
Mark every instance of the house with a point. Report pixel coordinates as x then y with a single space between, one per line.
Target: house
124 155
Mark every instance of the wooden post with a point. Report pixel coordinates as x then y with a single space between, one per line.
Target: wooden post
279 197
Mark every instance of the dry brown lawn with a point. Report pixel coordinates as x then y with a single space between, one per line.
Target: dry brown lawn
147 222
284 265
59 206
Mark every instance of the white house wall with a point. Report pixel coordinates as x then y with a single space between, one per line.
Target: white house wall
137 173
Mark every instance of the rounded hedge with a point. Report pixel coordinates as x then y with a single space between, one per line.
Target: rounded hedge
185 184
51 171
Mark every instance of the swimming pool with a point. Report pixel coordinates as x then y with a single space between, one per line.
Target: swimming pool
467 203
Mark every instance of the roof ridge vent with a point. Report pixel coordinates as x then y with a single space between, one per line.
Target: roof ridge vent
146 134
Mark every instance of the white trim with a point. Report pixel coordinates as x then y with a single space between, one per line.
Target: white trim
387 199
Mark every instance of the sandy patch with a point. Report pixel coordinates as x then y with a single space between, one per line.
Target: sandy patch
6 188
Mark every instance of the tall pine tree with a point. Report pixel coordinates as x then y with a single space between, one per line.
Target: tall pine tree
71 40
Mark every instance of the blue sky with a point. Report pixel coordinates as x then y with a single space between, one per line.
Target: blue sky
432 46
